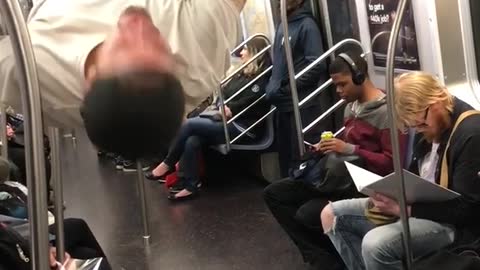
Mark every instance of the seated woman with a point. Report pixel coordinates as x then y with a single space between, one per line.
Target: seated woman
208 129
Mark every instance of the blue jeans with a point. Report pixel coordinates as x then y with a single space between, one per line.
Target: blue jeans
363 245
193 135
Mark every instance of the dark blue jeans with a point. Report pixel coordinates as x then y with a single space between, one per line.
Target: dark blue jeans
193 136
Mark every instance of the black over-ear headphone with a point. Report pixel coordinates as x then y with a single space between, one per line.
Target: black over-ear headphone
358 77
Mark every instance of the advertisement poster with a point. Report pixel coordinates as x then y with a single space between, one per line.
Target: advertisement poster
381 15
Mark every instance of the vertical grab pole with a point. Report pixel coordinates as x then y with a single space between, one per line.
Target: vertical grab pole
397 163
54 134
3 130
143 201
291 77
224 118
35 160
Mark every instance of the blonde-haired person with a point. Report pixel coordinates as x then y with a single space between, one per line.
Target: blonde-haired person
207 129
424 104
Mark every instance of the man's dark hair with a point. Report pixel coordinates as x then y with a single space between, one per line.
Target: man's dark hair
341 66
136 114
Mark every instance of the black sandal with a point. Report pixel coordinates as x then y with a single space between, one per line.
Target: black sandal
173 196
179 186
150 176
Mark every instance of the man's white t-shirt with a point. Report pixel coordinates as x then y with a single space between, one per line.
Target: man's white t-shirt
63 33
428 165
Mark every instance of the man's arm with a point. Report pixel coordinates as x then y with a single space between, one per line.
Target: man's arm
240 4
381 160
466 181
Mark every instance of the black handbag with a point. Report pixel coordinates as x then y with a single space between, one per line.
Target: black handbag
14 250
215 116
201 108
327 173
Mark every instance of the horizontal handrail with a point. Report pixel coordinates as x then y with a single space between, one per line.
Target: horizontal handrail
324 115
265 72
315 93
254 125
246 109
340 131
242 67
228 78
245 42
312 95
325 85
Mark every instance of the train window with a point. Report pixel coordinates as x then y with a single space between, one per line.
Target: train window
475 9
343 20
256 17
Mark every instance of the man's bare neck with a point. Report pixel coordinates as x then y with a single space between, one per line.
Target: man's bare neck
240 4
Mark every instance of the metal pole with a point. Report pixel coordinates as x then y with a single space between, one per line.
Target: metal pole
291 76
397 162
143 201
35 160
224 119
54 134
3 130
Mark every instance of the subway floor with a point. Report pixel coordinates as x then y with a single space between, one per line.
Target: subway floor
227 227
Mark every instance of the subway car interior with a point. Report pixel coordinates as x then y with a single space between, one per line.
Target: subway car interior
144 211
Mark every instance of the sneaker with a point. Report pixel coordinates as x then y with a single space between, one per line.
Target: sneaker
119 161
130 166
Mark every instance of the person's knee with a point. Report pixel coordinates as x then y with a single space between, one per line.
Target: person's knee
273 192
193 142
327 217
308 213
269 193
378 246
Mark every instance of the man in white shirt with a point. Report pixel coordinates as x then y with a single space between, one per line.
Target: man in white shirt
74 46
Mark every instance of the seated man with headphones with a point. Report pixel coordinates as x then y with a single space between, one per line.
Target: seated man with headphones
297 203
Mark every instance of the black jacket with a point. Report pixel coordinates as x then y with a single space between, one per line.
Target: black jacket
307 45
247 97
463 159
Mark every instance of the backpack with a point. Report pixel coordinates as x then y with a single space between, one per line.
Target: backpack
16 204
14 250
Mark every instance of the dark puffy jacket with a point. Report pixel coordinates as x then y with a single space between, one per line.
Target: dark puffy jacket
307 46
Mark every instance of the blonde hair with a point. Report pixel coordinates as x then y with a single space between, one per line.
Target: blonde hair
414 93
254 47
253 68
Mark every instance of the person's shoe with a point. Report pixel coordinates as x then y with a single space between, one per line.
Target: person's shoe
179 186
130 166
161 179
119 163
110 155
175 198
